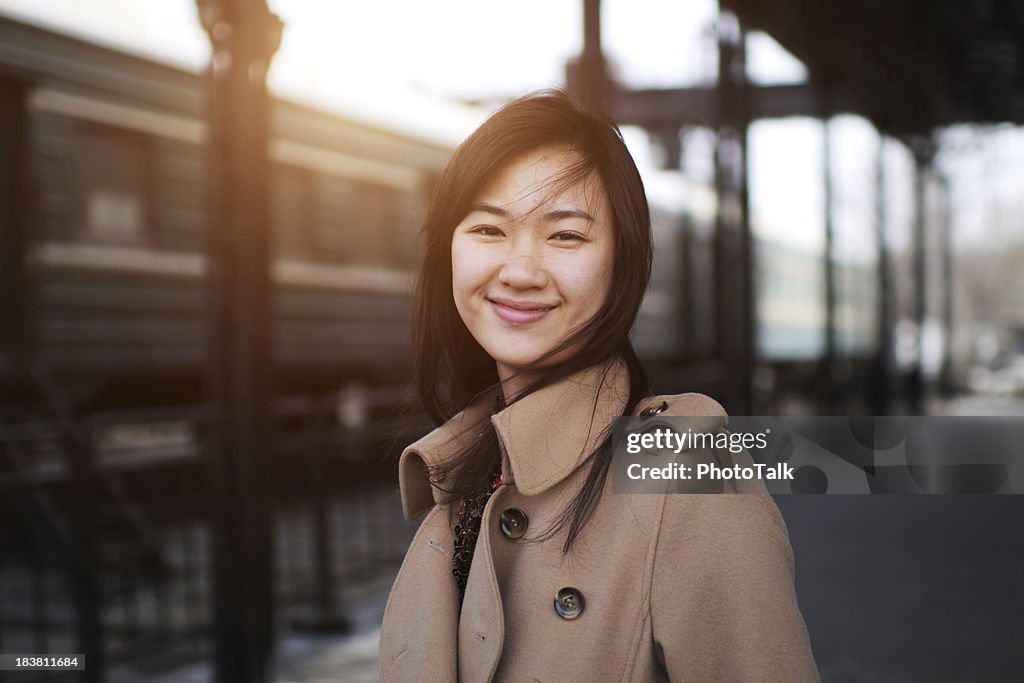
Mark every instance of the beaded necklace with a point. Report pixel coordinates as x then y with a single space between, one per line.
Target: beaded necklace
471 510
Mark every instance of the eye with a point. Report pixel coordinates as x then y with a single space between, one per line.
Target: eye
568 236
486 231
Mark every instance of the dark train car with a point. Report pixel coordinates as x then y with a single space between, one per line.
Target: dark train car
115 210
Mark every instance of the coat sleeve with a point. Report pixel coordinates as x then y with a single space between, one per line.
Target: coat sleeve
722 601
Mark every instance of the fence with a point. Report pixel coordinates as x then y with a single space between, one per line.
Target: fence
337 526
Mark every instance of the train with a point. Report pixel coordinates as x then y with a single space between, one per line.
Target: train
116 211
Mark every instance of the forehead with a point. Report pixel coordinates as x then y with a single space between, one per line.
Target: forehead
545 176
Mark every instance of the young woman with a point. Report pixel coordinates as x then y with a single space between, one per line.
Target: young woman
527 567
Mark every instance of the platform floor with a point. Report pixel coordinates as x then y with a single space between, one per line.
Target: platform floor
893 588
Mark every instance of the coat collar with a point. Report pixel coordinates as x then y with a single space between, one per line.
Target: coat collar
544 437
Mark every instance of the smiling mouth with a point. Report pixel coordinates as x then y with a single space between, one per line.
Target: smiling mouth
519 312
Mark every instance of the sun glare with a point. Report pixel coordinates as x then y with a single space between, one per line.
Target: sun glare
454 47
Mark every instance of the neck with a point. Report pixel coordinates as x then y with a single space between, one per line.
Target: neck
514 382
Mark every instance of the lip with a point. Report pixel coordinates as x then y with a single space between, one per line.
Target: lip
519 312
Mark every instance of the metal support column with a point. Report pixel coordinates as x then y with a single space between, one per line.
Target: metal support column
924 151
15 292
733 259
244 36
586 77
946 380
828 361
879 399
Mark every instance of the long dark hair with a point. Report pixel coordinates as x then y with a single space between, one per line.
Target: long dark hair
450 368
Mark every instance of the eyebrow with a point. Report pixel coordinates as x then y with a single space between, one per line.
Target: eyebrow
550 216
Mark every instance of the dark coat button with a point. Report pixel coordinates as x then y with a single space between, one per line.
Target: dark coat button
569 603
654 409
514 523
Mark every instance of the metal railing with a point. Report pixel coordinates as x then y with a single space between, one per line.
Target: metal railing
146 551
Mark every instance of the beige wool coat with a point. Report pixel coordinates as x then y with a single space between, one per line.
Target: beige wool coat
675 587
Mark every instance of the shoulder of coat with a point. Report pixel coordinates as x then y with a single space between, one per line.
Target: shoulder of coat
681 405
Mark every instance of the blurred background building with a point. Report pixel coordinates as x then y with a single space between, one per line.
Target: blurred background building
207 244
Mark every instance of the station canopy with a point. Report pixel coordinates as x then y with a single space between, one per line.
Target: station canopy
909 66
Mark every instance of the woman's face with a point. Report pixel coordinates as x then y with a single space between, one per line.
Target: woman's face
532 261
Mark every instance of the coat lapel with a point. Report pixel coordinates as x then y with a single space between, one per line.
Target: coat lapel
544 437
418 494
550 433
482 621
421 644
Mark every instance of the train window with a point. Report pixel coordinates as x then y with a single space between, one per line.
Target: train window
291 200
111 173
357 222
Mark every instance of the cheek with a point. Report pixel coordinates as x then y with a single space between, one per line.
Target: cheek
468 272
591 281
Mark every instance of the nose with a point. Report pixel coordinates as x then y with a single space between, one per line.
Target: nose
524 268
